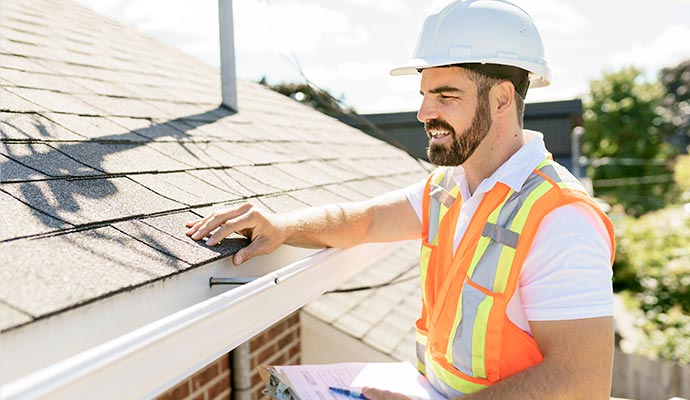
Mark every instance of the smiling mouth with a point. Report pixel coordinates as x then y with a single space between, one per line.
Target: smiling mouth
437 134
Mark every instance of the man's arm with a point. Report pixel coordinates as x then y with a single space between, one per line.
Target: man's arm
578 358
388 217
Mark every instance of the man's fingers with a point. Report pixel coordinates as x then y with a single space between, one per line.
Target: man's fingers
377 394
213 221
192 223
243 222
260 246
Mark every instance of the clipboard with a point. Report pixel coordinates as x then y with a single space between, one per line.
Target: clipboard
278 386
311 382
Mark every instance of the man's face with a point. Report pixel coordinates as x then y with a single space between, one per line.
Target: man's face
456 120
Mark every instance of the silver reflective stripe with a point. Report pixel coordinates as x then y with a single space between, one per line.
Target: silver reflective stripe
434 214
559 173
462 343
501 235
485 272
441 195
421 349
514 203
550 171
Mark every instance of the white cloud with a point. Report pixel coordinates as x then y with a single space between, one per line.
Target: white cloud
193 30
667 49
555 18
297 26
386 6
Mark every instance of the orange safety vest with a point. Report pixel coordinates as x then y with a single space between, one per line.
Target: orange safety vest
465 340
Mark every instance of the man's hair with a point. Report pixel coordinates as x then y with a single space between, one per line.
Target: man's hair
485 83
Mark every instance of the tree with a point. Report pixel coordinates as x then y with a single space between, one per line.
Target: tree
626 141
312 96
676 102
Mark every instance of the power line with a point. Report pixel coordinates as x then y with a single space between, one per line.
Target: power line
635 180
623 161
393 281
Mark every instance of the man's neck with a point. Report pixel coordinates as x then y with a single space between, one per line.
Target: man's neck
494 151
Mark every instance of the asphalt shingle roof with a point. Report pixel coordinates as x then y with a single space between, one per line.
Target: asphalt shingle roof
381 317
110 141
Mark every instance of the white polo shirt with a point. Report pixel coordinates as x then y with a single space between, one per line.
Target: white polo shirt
567 272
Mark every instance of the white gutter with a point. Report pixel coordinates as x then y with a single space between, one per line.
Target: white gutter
151 359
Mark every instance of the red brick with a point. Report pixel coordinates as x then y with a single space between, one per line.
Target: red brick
267 352
294 351
276 330
258 341
204 376
285 341
293 319
177 393
256 379
224 363
222 386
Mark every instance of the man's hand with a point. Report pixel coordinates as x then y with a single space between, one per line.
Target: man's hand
376 394
262 228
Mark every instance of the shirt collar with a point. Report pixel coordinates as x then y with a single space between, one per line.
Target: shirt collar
513 172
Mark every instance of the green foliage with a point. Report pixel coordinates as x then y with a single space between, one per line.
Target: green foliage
667 335
676 102
314 97
682 177
653 262
623 121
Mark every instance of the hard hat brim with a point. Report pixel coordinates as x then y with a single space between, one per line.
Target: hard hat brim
539 74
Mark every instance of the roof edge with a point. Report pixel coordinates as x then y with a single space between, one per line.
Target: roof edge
170 348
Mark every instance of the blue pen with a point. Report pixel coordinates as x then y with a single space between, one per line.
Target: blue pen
346 392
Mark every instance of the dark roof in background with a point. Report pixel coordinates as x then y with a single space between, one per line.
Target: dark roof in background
110 141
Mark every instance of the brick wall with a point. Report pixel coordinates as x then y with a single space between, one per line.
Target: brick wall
210 383
277 345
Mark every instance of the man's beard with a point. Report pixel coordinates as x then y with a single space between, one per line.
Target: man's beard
463 145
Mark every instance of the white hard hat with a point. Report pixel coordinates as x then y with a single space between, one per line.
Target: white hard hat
480 32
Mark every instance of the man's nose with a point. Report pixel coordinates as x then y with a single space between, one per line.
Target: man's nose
427 111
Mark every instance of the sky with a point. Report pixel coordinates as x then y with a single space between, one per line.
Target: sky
349 46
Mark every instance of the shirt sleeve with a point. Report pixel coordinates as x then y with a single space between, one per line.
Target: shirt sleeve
567 273
414 194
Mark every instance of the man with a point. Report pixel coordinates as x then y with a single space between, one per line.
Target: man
515 260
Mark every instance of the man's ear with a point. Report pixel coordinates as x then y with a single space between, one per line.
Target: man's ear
502 97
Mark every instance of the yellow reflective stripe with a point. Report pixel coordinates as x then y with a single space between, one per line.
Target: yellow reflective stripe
421 339
570 185
521 218
424 256
440 173
543 163
442 213
421 367
481 321
505 262
444 209
455 382
484 241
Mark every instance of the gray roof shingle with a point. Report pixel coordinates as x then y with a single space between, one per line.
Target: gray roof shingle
111 141
380 317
